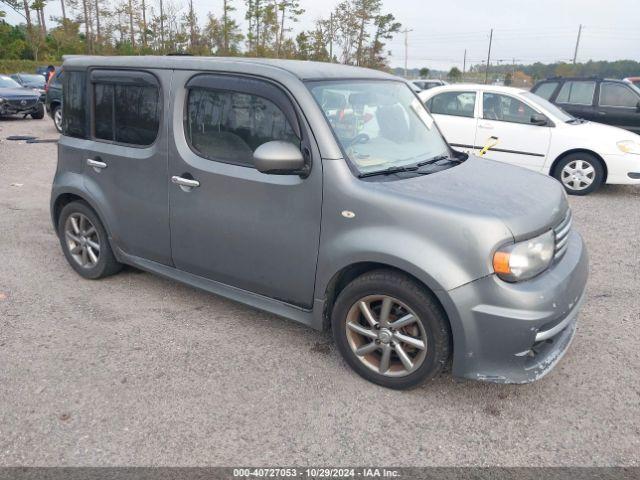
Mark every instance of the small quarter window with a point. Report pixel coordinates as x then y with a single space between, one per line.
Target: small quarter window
459 104
74 104
229 126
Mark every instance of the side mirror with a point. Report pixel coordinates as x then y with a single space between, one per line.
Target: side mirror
279 158
539 119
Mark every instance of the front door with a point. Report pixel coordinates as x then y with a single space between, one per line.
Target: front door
235 225
619 105
519 141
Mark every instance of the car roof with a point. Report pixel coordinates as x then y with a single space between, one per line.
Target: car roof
303 70
472 86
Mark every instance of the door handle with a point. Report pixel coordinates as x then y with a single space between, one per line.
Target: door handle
486 126
97 165
185 184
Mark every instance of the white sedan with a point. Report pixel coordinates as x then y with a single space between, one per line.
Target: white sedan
533 133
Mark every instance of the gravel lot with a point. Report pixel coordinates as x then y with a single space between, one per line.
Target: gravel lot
139 370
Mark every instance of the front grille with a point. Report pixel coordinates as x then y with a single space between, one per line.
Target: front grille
562 231
17 102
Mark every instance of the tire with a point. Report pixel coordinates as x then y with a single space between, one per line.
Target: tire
84 240
588 171
407 298
56 114
39 113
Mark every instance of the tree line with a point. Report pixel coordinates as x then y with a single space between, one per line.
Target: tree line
355 32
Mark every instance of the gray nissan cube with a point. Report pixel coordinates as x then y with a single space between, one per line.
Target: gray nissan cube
324 194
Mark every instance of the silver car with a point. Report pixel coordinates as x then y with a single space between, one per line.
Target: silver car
324 194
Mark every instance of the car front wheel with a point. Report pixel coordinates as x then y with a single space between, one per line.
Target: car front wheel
580 173
390 330
39 113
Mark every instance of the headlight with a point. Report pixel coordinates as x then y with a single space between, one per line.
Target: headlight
524 260
629 146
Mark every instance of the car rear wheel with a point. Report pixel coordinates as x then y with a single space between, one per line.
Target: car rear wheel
390 330
39 113
84 242
57 117
580 173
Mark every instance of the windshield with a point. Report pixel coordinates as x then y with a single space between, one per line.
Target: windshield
379 124
32 79
550 107
8 82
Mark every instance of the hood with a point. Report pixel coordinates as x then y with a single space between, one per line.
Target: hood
527 202
598 136
17 92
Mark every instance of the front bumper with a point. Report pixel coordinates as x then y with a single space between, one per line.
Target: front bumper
623 168
517 332
10 109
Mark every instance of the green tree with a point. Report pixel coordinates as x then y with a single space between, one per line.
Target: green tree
454 74
424 72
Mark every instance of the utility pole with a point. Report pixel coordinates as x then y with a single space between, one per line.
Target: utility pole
406 48
161 28
486 70
575 53
464 64
331 37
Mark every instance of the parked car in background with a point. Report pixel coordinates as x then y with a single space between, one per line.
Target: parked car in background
426 84
412 252
31 80
18 100
633 80
53 100
613 102
534 133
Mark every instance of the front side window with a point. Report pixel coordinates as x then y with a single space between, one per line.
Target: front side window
74 104
617 95
459 104
229 126
546 90
127 114
577 93
505 109
379 124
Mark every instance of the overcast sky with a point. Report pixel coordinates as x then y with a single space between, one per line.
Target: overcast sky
529 30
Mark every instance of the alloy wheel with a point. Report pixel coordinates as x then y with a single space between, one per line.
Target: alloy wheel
386 335
578 175
82 240
57 118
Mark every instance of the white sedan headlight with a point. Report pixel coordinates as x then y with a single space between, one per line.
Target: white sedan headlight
629 146
524 260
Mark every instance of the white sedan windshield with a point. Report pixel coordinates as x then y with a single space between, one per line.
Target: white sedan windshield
379 124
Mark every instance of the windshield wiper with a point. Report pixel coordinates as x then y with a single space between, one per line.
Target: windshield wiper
437 159
388 171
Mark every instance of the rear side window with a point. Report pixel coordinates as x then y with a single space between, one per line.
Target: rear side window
74 104
577 93
459 104
617 95
545 90
126 113
229 126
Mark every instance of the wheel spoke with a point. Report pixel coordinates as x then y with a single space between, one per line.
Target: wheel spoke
92 255
589 170
368 348
90 231
72 236
384 361
414 342
403 321
368 314
77 250
94 245
85 256
74 225
404 358
385 309
361 330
